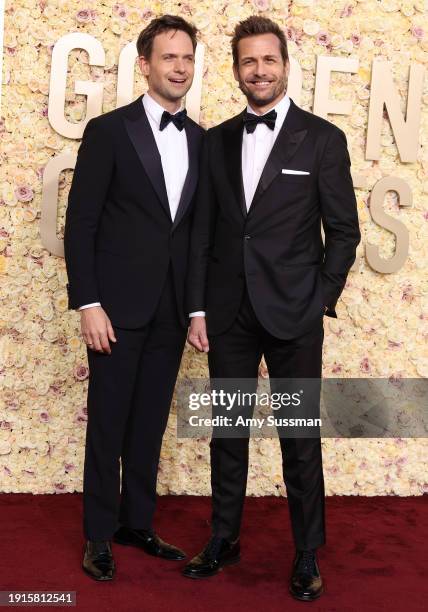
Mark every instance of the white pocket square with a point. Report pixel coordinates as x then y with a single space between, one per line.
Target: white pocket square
286 171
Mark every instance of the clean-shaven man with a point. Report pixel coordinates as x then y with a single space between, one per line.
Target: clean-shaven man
260 272
126 248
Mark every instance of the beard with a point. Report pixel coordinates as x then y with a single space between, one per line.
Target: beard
266 98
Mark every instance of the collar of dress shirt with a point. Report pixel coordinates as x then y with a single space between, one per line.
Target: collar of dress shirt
281 109
154 109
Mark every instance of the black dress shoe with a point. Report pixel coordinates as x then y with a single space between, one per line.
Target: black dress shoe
98 560
147 540
306 581
218 553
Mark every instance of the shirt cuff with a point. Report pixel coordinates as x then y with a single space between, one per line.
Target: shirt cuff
89 305
198 313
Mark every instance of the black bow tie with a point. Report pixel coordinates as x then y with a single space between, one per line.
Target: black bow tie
251 120
178 119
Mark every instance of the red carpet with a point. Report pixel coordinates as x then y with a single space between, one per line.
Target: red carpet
375 559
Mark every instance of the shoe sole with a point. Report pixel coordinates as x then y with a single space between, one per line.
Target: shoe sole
303 598
233 561
123 543
105 579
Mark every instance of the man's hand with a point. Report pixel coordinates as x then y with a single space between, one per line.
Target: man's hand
197 336
97 329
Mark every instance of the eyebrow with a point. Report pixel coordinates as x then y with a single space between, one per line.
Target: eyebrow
176 55
268 56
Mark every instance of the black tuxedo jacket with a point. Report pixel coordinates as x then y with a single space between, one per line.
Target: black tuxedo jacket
277 248
119 237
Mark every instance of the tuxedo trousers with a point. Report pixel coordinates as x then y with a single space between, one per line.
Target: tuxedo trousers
129 398
236 354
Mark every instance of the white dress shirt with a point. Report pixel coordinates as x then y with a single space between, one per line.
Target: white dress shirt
172 147
256 148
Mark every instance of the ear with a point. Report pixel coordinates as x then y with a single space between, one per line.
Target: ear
235 72
144 66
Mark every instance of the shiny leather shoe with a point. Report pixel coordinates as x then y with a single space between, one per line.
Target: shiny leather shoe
218 553
98 560
147 540
306 582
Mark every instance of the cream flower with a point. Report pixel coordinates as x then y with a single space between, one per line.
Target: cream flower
311 27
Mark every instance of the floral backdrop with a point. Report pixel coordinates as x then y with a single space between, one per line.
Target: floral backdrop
382 329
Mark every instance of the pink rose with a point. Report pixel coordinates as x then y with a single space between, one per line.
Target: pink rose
81 372
346 11
365 365
261 5
146 13
323 38
418 32
24 193
407 295
85 16
292 34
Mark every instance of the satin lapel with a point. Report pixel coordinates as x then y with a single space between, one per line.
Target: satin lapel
192 172
232 141
286 144
141 135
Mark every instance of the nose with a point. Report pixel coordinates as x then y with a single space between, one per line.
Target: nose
260 68
179 65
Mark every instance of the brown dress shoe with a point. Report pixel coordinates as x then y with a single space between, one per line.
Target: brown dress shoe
98 562
306 582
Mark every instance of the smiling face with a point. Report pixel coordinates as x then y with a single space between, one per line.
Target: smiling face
261 72
170 68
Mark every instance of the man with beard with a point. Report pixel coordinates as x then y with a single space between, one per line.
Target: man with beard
126 248
261 274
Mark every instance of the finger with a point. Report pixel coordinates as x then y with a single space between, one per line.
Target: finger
204 342
194 341
97 344
105 345
110 332
89 340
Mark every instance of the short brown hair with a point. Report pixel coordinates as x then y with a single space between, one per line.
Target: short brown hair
163 24
258 25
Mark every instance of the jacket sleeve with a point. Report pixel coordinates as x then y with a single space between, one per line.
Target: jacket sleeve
202 234
89 187
339 217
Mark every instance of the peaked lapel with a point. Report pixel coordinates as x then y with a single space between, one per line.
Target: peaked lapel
289 139
192 172
232 142
141 135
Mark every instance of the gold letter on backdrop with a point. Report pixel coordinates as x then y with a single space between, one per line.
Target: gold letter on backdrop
49 213
406 131
295 78
125 74
377 196
325 66
58 81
